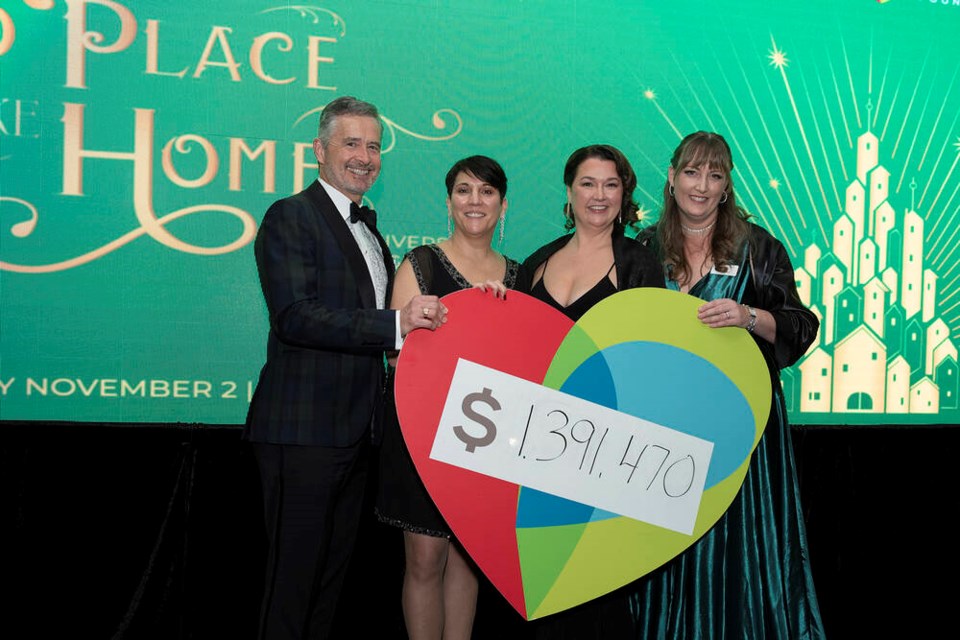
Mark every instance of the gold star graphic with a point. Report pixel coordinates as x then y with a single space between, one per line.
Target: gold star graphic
649 94
778 58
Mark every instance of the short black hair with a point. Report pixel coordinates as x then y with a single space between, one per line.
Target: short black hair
482 168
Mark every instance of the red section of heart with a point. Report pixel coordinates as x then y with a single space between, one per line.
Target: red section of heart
519 336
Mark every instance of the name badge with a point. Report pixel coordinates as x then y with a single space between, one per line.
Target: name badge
731 270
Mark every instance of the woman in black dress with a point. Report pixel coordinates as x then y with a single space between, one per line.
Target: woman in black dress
579 269
573 273
439 584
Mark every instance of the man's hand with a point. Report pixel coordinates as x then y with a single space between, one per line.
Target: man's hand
422 312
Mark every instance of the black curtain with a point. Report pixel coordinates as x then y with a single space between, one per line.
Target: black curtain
132 532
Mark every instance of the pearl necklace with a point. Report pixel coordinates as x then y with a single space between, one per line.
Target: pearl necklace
700 231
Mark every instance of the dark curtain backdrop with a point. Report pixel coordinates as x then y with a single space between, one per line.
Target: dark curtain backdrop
154 532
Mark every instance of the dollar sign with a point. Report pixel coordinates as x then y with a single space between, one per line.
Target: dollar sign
486 397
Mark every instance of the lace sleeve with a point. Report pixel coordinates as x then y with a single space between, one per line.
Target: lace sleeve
419 258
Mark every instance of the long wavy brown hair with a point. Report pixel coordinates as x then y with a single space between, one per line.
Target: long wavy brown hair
710 150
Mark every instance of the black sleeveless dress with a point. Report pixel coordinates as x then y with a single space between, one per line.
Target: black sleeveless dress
581 305
607 617
402 500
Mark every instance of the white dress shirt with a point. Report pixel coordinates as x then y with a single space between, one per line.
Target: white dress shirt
369 247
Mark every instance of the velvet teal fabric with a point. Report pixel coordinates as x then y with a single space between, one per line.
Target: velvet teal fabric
749 576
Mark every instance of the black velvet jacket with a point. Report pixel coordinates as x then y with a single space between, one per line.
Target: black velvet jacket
773 288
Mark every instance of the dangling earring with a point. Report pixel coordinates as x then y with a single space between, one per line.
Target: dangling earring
724 199
449 231
568 211
620 216
671 191
503 220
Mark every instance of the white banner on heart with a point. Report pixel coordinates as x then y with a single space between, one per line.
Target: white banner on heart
527 434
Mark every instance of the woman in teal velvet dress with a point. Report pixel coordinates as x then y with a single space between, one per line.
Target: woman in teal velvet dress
749 576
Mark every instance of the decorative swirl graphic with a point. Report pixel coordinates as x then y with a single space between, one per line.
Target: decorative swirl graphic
438 123
151 226
25 228
314 12
391 127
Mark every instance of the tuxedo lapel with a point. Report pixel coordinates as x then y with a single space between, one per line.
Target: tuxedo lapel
347 243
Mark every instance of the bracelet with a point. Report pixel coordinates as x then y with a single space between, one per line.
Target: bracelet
753 318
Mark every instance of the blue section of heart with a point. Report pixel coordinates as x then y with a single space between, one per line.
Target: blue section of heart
683 392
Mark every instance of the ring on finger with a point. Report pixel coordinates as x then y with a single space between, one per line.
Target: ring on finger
426 312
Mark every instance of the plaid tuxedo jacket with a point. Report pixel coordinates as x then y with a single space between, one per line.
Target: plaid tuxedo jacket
324 374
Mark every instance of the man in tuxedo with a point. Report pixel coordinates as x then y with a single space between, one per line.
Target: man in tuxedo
326 275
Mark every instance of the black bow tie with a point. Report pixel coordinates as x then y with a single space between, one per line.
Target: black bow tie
363 214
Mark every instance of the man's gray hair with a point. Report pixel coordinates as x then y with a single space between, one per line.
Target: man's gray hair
344 106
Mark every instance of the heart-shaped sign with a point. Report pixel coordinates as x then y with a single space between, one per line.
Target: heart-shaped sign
637 379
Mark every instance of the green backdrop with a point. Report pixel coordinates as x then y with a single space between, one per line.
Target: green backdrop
141 142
